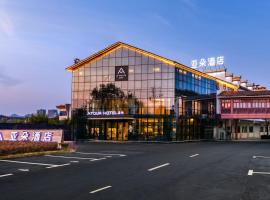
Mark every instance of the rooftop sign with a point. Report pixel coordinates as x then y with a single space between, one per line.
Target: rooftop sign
207 62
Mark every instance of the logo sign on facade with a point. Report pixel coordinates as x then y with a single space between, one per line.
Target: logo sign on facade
32 135
121 73
107 113
209 62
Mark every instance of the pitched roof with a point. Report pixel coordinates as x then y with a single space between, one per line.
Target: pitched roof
117 45
232 94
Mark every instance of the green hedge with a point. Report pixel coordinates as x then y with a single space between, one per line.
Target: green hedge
14 147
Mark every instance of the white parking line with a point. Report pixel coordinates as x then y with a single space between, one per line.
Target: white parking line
260 157
79 158
251 172
31 163
194 155
24 170
28 163
100 189
102 154
157 167
74 161
98 159
4 175
54 166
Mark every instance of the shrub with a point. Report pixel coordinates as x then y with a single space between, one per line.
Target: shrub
265 136
14 147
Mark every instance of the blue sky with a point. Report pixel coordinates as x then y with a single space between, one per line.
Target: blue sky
38 39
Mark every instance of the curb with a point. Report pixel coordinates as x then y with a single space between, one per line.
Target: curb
169 142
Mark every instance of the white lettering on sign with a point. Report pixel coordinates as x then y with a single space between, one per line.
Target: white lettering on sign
220 60
36 136
209 62
14 136
106 113
48 137
202 63
1 137
194 63
25 136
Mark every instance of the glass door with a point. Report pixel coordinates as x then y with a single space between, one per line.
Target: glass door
122 131
111 130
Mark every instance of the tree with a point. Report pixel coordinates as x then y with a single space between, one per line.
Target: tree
38 119
78 123
108 97
112 98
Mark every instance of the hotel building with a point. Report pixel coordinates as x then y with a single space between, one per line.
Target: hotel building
130 93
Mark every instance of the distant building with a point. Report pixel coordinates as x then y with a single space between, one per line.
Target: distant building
64 111
28 115
52 113
41 112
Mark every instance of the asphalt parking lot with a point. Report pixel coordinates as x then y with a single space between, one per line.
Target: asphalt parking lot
207 170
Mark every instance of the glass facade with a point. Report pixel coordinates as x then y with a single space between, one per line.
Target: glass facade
132 95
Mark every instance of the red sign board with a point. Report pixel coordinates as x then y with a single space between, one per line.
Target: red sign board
40 135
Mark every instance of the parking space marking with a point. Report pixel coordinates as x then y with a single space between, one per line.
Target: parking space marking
40 164
24 170
194 155
54 166
97 159
29 163
74 161
251 172
4 175
260 157
100 189
79 158
102 154
159 166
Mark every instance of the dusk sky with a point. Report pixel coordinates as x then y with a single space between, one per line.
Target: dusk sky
38 39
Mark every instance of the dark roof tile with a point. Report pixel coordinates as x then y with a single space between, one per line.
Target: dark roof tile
244 93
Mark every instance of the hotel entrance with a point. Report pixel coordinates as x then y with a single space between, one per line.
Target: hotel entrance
116 130
109 129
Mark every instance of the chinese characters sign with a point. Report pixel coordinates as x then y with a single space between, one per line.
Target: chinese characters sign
209 62
32 135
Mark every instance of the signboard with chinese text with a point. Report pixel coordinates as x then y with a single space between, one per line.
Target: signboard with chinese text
206 63
50 135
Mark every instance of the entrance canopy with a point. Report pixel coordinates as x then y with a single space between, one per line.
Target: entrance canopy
245 104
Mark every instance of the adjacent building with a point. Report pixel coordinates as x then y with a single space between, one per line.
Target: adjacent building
64 111
41 112
52 113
